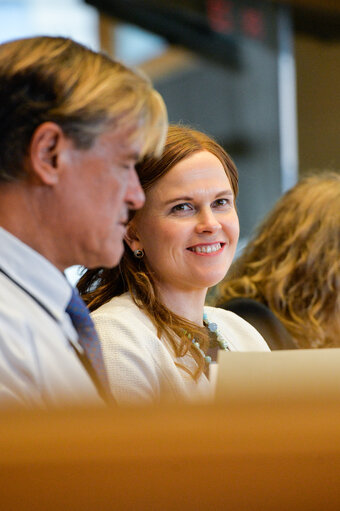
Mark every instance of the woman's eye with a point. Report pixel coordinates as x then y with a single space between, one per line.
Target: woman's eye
220 203
181 207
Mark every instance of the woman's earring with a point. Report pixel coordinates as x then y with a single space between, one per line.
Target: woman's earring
139 253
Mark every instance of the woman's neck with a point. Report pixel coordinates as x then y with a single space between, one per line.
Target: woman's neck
188 304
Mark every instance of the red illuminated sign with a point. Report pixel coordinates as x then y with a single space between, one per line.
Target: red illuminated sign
228 17
221 16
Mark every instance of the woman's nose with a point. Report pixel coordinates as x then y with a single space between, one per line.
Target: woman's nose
207 222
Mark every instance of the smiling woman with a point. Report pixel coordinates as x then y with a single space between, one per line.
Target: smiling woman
158 338
188 230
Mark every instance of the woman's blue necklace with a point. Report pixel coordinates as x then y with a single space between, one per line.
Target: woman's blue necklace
212 327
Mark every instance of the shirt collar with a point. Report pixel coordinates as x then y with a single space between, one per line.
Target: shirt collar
35 274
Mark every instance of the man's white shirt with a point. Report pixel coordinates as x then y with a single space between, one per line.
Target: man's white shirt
38 362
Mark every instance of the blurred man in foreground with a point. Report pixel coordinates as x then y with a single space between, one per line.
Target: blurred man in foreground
73 123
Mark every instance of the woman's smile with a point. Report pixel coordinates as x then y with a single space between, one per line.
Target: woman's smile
207 249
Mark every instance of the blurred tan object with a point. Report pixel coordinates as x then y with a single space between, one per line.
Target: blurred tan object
279 377
250 457
106 27
173 59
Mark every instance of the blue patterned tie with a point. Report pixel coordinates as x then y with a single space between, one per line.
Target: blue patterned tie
88 338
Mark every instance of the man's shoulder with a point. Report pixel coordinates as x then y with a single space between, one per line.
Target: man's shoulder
24 318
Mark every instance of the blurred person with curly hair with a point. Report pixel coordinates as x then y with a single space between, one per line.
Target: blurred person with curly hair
291 268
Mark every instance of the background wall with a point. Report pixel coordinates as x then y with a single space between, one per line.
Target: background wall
241 105
318 103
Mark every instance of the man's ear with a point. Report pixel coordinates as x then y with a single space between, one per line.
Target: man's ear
46 144
131 237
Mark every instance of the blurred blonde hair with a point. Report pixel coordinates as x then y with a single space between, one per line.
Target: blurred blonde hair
292 264
85 92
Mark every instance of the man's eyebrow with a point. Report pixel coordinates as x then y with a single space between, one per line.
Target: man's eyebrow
131 156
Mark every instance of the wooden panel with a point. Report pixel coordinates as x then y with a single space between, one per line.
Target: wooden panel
192 458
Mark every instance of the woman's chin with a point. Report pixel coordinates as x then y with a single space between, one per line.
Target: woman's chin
207 281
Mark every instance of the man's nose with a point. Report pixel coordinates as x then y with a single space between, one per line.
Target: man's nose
135 196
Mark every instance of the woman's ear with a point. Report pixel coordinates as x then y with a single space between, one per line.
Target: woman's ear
131 237
46 143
